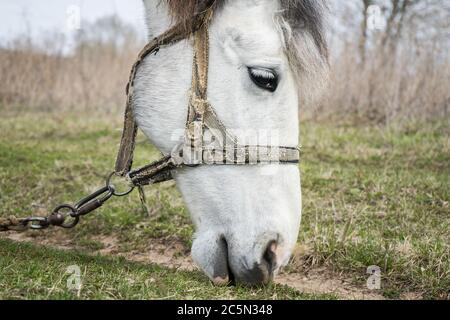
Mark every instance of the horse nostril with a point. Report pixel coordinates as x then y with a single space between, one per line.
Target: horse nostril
231 278
270 256
262 272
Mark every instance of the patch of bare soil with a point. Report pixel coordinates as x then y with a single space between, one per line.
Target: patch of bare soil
171 254
174 255
57 241
321 280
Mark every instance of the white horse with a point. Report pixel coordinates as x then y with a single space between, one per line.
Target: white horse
263 55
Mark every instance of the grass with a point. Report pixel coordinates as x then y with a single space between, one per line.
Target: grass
380 197
30 272
371 196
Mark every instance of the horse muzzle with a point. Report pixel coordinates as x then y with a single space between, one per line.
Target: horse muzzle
226 262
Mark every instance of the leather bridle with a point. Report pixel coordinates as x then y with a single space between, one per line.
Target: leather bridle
193 151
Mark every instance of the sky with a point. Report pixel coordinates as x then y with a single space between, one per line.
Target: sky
38 17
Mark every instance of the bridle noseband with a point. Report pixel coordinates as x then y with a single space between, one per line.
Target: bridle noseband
193 151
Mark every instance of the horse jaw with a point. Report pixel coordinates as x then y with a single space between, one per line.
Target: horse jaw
238 211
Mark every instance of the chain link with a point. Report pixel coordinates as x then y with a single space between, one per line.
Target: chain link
65 216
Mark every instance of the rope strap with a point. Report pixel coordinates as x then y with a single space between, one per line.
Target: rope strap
11 223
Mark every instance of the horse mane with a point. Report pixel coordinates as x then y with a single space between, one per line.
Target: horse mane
302 25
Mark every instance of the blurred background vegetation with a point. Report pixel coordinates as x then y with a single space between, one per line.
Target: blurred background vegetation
389 64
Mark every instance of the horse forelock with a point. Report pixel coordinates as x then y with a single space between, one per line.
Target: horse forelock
185 10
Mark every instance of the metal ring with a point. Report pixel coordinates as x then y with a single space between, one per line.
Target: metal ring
34 226
73 214
113 189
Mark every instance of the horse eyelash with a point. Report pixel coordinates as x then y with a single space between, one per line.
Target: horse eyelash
263 73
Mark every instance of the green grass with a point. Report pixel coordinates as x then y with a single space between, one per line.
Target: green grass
380 197
371 196
31 272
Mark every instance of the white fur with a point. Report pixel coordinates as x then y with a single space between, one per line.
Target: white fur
248 205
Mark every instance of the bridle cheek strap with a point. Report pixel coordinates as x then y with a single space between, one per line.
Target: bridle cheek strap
201 117
175 34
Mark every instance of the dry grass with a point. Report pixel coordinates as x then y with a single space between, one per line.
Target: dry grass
92 77
388 88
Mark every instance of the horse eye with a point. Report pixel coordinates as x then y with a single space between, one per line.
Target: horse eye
266 79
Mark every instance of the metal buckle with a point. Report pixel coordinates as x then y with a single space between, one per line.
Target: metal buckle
176 156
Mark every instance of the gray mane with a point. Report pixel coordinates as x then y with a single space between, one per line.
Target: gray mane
307 15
